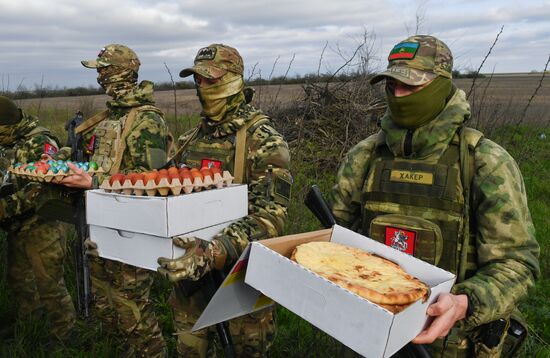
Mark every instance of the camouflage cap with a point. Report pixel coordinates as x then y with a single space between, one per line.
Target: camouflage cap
418 60
114 55
9 112
214 61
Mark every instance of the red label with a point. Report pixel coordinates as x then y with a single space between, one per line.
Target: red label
401 239
49 149
241 265
209 163
90 146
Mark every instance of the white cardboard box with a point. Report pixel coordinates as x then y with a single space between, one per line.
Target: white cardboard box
356 322
166 216
142 250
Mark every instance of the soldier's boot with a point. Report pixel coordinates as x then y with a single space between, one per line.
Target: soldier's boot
186 311
21 278
254 333
46 251
137 319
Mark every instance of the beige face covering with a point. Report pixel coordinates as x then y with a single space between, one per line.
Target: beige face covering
214 97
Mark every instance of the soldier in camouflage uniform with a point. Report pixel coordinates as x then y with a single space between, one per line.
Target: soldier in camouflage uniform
36 247
122 291
261 160
431 187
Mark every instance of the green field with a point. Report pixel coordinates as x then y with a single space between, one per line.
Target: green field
295 338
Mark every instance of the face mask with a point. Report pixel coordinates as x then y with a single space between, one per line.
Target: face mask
419 108
217 99
117 81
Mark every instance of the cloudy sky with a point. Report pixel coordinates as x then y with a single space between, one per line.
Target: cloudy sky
44 41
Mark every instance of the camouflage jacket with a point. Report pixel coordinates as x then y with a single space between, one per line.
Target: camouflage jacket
504 235
147 142
29 142
268 190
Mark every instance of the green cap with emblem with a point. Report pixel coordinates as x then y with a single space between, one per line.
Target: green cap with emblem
9 112
114 55
214 61
418 60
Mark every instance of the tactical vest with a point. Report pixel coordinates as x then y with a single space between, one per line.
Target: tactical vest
207 151
109 136
419 207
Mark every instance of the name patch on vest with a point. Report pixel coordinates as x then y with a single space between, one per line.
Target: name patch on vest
406 176
401 239
209 163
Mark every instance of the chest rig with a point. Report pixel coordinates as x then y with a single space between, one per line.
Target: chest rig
105 137
419 207
227 153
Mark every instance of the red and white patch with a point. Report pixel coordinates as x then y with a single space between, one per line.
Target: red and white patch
401 239
49 149
210 163
89 148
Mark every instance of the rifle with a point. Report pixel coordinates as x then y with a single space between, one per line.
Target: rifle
81 260
316 203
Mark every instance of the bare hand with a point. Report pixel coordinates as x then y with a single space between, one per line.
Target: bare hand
447 310
80 178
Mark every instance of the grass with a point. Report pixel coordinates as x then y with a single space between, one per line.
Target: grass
295 337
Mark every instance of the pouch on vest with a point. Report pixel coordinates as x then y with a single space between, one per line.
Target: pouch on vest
515 335
410 234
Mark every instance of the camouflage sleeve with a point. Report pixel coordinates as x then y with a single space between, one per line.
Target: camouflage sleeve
269 183
507 250
344 198
34 147
19 202
147 143
64 153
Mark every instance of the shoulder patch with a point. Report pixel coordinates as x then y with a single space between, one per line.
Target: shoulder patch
404 51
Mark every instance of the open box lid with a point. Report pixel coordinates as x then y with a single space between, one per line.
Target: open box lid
336 310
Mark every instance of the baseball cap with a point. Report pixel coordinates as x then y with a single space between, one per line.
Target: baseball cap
114 55
214 61
9 112
418 60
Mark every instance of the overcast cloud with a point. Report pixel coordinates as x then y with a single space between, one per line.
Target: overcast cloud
47 39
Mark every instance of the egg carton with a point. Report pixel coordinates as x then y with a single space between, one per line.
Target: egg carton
49 176
167 186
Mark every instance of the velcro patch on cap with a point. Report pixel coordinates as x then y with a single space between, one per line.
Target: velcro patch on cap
404 51
206 53
401 239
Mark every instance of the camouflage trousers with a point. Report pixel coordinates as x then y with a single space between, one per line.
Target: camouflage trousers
35 273
121 293
252 334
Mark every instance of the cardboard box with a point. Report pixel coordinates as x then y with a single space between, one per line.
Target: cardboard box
142 250
365 327
166 216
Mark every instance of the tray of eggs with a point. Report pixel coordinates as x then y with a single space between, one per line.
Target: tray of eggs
171 181
47 170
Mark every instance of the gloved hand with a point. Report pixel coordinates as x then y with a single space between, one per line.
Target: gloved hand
200 258
91 248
